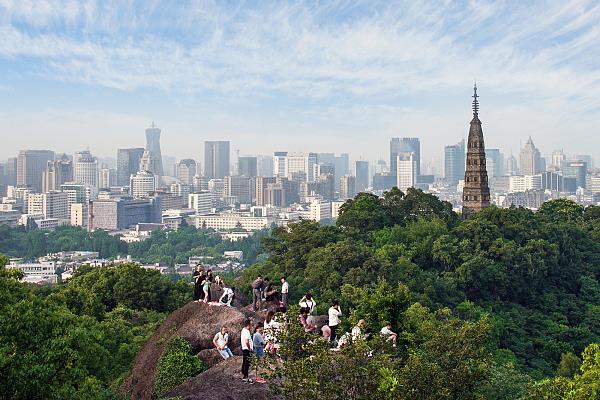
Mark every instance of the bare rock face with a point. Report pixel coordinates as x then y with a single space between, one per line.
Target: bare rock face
222 382
196 322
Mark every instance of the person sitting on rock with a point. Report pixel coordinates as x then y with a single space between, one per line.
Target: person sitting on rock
227 296
303 319
390 335
357 331
219 281
221 342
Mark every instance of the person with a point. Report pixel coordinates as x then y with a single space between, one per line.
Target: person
197 282
258 342
227 296
285 289
246 339
357 331
219 281
271 293
270 329
307 301
221 342
206 289
303 319
387 332
257 293
334 313
209 275
326 331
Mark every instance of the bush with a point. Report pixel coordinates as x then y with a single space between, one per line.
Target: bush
176 364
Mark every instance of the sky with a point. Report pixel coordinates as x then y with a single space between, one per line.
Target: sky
323 76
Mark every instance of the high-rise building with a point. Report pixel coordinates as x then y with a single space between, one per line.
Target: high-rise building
85 169
216 159
31 165
510 166
262 183
295 166
558 157
247 166
494 162
265 165
576 169
522 183
142 184
107 177
200 202
186 170
52 204
123 212
406 170
454 162
128 163
275 195
10 172
199 184
404 145
149 163
57 172
361 172
238 187
531 159
153 146
347 187
589 161
476 192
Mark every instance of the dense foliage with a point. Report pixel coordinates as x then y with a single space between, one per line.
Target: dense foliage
532 275
76 341
164 247
176 364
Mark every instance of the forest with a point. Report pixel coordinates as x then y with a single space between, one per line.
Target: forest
503 305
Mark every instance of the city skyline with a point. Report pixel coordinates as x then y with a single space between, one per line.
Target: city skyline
297 77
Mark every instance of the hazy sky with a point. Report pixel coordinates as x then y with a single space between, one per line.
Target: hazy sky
337 76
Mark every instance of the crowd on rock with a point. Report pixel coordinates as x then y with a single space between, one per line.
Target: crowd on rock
261 338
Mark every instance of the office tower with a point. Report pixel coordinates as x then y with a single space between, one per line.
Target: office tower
85 169
552 181
123 212
77 192
295 166
324 169
57 172
347 187
275 195
170 166
261 186
530 159
494 162
510 166
216 159
200 202
454 162
558 157
142 184
384 181
128 163
406 173
149 163
239 188
576 169
265 165
361 172
247 166
404 145
186 170
199 183
326 158
153 146
342 164
476 192
107 178
53 204
589 161
31 165
522 183
78 214
10 172
180 189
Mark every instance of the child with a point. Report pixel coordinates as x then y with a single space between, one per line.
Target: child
258 341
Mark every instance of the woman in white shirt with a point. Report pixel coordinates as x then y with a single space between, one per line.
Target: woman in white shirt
307 301
334 313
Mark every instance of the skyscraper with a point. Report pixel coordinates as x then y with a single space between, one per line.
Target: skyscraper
150 163
404 145
128 163
454 162
347 187
531 159
57 172
406 174
495 162
186 170
295 166
85 169
216 159
476 192
361 171
247 166
31 165
153 146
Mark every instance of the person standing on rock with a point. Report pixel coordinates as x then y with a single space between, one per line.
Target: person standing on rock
221 342
285 289
206 289
257 287
198 280
334 319
246 338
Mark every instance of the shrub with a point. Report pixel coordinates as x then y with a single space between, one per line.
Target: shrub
176 364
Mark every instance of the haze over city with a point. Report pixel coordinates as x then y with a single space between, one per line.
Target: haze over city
298 76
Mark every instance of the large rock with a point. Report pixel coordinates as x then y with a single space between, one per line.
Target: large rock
222 382
196 322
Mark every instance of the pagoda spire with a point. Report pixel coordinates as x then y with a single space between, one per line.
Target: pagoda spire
475 102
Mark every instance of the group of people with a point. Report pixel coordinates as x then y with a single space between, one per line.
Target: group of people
264 290
203 284
255 339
